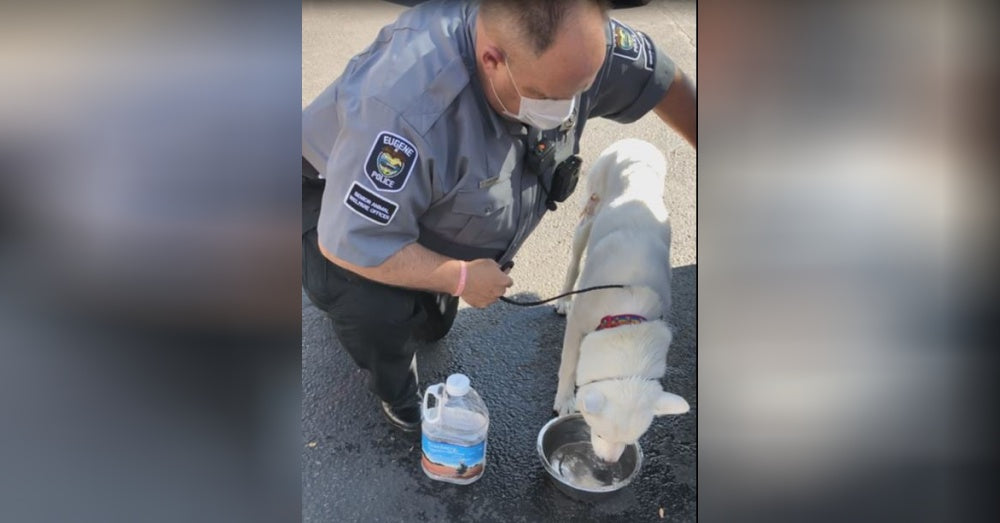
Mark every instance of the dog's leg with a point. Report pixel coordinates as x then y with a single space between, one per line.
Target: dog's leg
565 401
580 237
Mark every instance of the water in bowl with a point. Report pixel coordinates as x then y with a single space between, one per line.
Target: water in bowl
577 464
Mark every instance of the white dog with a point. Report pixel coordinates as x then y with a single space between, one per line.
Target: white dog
615 346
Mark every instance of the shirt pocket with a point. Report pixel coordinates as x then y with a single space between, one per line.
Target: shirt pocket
488 214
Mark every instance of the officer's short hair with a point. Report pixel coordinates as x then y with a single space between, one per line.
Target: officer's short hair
536 21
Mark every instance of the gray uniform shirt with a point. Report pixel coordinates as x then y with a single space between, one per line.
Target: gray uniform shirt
412 152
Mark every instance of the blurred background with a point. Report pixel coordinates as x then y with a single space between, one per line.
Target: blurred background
150 312
149 261
846 205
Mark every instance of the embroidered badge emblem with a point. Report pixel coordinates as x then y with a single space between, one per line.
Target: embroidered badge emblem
626 43
390 162
369 205
647 44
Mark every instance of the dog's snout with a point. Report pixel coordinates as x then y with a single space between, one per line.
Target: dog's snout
608 451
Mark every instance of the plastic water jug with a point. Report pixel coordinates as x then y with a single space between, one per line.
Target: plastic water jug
453 440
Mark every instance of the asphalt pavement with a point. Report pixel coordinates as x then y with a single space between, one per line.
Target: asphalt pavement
355 467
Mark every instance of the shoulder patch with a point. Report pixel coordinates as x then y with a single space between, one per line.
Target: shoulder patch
369 205
647 44
626 42
390 162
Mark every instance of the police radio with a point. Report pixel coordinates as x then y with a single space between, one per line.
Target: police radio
565 177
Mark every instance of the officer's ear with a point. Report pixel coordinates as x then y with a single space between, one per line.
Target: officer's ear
492 58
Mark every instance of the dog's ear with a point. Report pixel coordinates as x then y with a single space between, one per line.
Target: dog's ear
592 402
669 403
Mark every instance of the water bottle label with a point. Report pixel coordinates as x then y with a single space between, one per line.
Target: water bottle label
452 461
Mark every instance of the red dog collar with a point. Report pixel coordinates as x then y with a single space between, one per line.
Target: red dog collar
610 322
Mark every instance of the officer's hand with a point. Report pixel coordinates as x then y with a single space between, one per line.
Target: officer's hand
484 283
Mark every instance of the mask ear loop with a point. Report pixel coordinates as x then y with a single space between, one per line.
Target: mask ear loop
506 64
496 95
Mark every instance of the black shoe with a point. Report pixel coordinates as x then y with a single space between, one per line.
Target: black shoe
441 310
406 418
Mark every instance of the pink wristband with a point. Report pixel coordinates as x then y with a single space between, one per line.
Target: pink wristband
461 279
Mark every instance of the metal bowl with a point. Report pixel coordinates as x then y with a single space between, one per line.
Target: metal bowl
568 458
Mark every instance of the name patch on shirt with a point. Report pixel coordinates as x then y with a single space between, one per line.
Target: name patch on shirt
626 42
390 162
370 205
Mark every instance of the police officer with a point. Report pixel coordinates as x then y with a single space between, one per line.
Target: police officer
430 160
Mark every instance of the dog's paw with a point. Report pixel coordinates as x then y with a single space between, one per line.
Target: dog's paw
564 405
563 305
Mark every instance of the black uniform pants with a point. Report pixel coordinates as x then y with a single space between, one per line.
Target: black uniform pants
373 321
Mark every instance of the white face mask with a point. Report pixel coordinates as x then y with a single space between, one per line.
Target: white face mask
541 114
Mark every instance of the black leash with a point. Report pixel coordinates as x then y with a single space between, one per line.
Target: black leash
539 302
